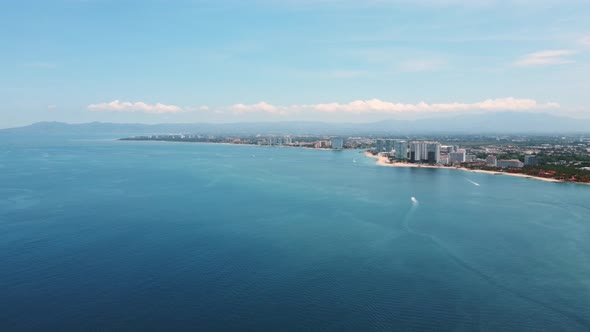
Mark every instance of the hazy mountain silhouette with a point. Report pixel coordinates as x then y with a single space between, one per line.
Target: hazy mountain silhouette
491 123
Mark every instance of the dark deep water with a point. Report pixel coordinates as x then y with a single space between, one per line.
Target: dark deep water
145 236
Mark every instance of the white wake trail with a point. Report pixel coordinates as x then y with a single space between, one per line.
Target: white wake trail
408 216
489 278
472 182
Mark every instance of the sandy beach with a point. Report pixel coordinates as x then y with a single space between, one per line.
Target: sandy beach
384 161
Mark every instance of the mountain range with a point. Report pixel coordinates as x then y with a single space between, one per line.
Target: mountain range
490 123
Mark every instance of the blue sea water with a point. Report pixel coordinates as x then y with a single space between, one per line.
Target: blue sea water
146 236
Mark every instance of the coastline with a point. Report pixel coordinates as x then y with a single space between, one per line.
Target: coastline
383 161
233 144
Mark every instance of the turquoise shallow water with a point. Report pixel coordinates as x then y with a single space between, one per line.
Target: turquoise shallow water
109 235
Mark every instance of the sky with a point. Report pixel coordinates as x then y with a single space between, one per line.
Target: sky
157 61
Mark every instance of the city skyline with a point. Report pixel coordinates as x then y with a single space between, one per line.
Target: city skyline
242 61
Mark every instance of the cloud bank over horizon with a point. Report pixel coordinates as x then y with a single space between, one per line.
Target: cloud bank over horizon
369 106
386 107
126 106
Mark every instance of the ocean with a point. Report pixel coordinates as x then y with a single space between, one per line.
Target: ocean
104 235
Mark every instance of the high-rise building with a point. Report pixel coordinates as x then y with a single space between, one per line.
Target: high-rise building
425 152
384 145
379 145
510 163
418 152
530 160
457 156
491 161
401 150
433 152
448 148
388 145
321 144
337 143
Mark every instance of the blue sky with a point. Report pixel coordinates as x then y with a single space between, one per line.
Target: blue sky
231 61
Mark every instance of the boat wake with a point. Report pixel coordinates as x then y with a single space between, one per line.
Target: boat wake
472 182
481 274
409 214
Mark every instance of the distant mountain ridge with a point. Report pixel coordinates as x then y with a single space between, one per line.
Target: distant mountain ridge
491 123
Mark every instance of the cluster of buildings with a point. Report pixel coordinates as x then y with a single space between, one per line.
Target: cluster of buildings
415 152
279 140
336 143
430 152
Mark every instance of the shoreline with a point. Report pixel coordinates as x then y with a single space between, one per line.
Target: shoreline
234 144
383 161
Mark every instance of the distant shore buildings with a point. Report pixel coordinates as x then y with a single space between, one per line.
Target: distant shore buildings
325 142
279 140
567 160
384 145
415 151
491 161
429 152
401 150
509 163
426 152
337 143
457 156
530 160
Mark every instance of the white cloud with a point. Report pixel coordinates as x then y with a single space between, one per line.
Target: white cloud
379 106
549 57
51 107
118 106
584 41
370 106
373 106
203 108
261 107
